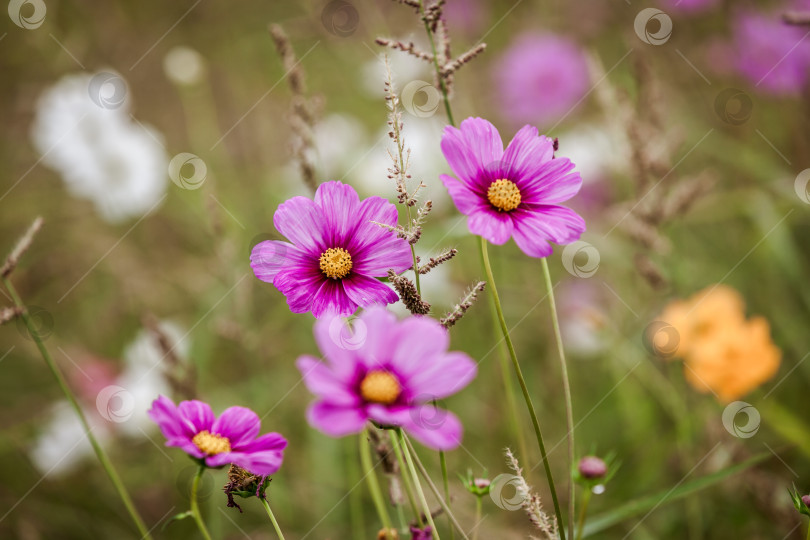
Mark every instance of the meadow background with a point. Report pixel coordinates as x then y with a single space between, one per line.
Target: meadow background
95 284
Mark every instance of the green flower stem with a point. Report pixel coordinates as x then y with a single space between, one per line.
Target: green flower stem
569 409
272 518
432 486
373 484
526 397
808 533
418 485
582 512
195 508
106 464
406 481
446 482
477 516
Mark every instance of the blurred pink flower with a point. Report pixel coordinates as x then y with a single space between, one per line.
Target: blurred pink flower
774 56
336 254
231 438
389 372
689 6
467 16
512 193
540 78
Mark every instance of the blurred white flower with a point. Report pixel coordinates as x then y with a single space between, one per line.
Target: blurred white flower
184 66
62 444
101 154
597 151
404 67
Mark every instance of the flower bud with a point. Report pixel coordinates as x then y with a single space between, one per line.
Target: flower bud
591 467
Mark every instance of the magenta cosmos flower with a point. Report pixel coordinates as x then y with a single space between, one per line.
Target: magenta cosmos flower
540 78
511 193
389 372
336 253
231 438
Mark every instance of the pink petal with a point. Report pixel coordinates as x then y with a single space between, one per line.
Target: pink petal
551 182
239 424
470 149
410 356
493 225
339 204
168 418
334 420
198 413
338 338
302 222
262 456
365 291
466 200
435 428
325 383
441 375
525 153
270 256
535 227
331 299
299 285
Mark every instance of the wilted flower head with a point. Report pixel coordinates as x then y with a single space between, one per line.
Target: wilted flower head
389 372
540 78
216 442
337 251
512 193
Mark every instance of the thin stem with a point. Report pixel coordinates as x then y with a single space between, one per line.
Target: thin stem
477 516
355 497
405 478
373 484
442 85
526 397
808 532
582 512
446 482
106 464
569 409
418 485
432 486
272 518
195 509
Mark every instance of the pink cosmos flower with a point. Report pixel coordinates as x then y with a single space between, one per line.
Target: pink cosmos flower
511 193
540 78
336 252
231 438
389 372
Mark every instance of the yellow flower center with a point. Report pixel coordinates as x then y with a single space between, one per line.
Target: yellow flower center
504 195
211 443
336 263
380 387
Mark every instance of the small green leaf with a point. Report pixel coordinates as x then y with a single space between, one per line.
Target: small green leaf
648 503
176 517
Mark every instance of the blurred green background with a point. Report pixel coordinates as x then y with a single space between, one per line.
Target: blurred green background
187 262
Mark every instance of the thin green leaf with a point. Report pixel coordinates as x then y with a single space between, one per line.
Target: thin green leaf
648 503
176 517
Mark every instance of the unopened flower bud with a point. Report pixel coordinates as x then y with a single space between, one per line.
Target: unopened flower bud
806 500
591 467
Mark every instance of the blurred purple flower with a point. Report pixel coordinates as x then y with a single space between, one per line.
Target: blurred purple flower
391 376
421 534
772 55
540 78
512 193
467 16
336 252
231 438
689 6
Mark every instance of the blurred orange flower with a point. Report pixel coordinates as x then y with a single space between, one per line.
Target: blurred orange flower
722 351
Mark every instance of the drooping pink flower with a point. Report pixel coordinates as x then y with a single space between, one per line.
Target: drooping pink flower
774 56
336 253
389 372
512 193
231 438
540 79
